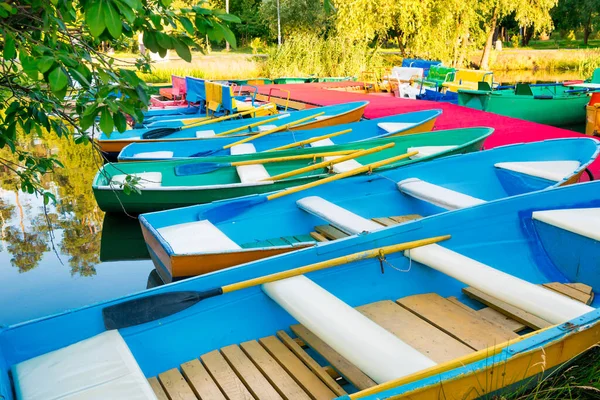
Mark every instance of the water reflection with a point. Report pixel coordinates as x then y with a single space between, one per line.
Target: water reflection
54 258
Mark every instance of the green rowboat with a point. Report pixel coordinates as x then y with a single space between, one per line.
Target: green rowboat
550 104
170 184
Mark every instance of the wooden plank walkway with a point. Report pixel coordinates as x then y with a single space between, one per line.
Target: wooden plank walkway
278 367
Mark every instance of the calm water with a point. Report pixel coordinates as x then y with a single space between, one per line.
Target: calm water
73 254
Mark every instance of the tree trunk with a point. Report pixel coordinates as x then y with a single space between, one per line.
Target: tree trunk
487 50
496 35
587 30
527 35
463 51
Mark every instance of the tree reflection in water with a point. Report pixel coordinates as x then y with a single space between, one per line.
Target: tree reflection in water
27 230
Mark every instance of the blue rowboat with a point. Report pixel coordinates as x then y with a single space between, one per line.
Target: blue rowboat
323 116
172 184
436 321
251 228
401 124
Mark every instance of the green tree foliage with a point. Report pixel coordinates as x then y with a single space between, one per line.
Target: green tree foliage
55 82
532 14
297 16
578 14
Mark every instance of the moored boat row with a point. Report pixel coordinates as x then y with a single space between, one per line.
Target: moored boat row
363 259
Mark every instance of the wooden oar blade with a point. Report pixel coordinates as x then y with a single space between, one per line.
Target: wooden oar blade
198 168
159 133
150 308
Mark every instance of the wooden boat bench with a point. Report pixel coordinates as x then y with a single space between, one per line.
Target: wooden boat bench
280 367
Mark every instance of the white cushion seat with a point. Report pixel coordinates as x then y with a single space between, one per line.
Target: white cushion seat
205 134
405 74
249 173
437 195
338 168
337 216
551 170
99 368
264 128
426 151
537 300
582 221
197 237
147 179
154 154
395 127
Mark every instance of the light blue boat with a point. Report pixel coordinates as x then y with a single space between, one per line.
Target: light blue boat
306 119
405 338
414 122
253 227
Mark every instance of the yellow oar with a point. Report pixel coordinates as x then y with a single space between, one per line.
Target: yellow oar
356 171
153 307
249 126
278 129
206 167
329 163
159 133
311 140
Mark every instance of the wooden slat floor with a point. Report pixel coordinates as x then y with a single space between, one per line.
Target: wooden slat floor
279 367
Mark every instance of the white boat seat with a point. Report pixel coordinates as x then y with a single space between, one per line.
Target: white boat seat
395 127
582 221
374 350
154 154
537 300
99 368
551 170
147 179
205 134
437 195
337 216
320 117
264 128
197 237
338 168
426 151
249 173
132 138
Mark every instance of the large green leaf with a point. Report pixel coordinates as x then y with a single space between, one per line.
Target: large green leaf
120 122
94 18
45 63
112 19
125 10
106 122
164 40
187 25
227 34
135 4
58 79
29 65
150 41
229 18
182 50
10 51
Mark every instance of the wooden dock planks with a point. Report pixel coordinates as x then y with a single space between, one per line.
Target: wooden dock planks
427 339
313 386
249 374
200 380
459 323
345 367
175 385
224 376
277 376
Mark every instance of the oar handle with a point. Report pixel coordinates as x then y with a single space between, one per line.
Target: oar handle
355 171
279 128
362 255
311 140
329 163
248 126
292 158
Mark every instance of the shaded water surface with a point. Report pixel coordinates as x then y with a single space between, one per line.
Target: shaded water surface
71 254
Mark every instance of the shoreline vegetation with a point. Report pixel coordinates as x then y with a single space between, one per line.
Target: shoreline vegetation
330 59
